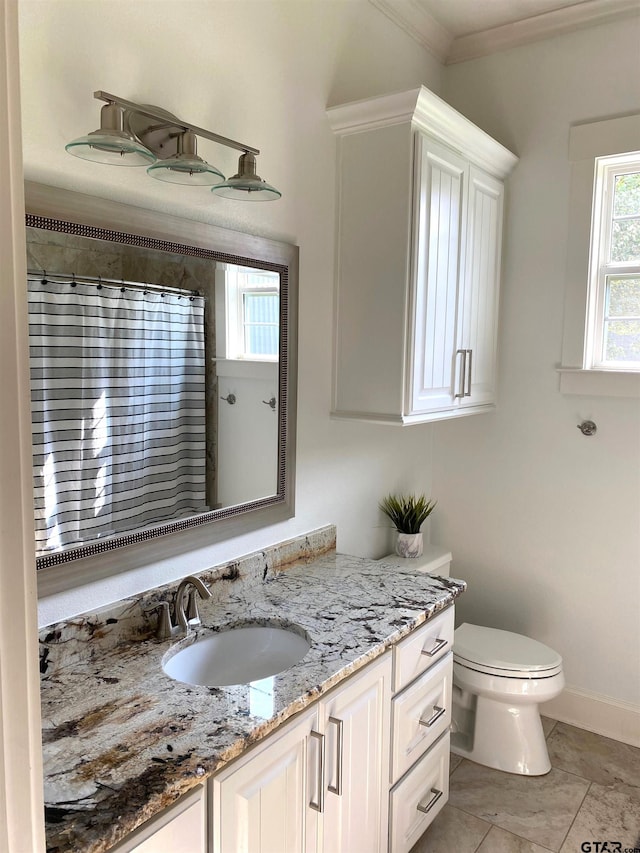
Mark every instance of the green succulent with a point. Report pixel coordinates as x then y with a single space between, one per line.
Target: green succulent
407 512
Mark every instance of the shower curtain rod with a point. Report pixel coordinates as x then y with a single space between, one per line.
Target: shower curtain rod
109 282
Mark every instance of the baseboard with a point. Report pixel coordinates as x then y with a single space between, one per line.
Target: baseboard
596 713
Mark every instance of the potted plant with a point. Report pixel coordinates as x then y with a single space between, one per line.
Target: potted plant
407 513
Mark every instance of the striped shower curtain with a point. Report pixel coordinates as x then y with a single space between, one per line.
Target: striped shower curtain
118 409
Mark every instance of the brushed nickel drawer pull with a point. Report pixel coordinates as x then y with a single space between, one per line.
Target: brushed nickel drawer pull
440 644
337 788
436 796
438 712
463 372
319 806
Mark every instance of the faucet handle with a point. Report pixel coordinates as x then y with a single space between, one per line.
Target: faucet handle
165 628
193 616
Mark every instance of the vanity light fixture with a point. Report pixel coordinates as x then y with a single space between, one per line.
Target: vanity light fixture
111 144
133 134
186 167
246 182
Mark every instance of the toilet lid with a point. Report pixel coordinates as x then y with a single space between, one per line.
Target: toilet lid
502 649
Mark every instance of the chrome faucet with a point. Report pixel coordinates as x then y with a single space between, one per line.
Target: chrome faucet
168 628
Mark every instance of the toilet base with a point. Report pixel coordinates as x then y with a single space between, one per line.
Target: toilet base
505 736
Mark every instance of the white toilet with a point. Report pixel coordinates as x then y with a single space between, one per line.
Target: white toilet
499 680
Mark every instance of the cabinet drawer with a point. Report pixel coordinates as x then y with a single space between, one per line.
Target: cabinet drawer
421 713
418 797
421 649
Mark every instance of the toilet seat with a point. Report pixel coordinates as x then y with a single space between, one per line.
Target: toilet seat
503 653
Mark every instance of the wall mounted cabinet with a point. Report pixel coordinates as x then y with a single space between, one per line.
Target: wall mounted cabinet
419 234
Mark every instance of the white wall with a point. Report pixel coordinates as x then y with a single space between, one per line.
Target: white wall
543 522
262 73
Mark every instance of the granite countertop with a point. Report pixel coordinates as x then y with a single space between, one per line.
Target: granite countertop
121 740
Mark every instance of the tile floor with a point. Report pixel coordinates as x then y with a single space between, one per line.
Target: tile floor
592 793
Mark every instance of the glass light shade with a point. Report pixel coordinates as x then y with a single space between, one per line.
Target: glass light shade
186 167
242 189
111 144
185 170
246 185
110 148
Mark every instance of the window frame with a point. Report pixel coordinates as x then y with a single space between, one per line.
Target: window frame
243 323
230 319
588 141
601 268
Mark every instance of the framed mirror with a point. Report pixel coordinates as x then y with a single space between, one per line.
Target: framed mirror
163 376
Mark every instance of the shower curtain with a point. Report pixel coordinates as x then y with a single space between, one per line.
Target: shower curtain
118 409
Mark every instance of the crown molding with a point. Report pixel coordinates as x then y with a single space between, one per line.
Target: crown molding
423 110
580 16
419 24
411 17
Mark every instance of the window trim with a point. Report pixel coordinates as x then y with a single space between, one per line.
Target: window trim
587 142
229 306
600 267
243 323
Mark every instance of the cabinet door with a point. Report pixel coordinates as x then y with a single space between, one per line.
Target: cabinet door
264 803
355 722
440 189
480 293
180 828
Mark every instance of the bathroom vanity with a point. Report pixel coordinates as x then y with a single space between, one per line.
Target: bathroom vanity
347 749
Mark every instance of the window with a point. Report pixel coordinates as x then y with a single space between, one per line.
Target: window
248 313
613 330
601 327
258 320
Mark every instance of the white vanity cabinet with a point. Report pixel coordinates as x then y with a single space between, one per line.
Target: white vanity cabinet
420 208
318 784
271 799
421 716
355 721
365 768
180 828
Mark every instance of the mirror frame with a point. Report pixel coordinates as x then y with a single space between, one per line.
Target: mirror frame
74 213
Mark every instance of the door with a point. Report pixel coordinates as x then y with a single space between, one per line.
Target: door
355 722
440 187
268 802
478 322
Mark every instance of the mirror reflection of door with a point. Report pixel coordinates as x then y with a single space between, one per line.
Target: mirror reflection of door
247 356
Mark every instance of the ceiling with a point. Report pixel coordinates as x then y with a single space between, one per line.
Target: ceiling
457 30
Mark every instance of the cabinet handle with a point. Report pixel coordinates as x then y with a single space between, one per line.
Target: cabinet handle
440 644
467 393
337 788
463 372
438 712
319 806
436 796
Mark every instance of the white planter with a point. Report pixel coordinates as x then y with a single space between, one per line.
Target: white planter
409 545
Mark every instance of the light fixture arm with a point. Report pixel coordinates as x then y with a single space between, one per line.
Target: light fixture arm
149 112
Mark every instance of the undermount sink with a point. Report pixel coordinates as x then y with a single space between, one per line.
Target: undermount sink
237 655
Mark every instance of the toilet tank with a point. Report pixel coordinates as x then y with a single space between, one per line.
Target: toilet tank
434 561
